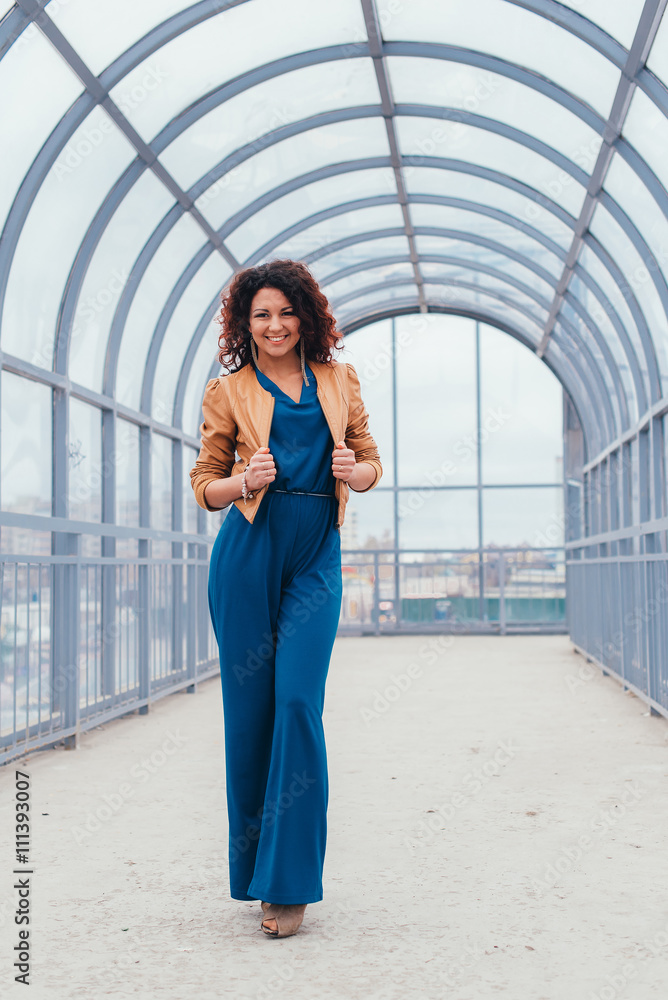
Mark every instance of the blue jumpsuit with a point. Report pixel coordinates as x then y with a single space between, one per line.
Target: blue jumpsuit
275 600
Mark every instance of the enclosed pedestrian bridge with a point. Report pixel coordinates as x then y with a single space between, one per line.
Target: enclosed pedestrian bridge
481 190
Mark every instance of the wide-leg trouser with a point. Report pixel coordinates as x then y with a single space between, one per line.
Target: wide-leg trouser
275 600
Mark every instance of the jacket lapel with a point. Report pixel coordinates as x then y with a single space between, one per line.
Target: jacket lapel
330 398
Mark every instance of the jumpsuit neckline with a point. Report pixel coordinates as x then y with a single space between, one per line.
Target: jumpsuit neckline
296 402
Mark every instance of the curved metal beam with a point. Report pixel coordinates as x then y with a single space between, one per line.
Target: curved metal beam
285 65
127 296
475 120
184 279
603 393
343 208
566 379
193 346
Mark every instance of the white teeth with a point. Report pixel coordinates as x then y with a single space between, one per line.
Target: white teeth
275 340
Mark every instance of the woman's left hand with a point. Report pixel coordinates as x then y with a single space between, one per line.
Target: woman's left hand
343 461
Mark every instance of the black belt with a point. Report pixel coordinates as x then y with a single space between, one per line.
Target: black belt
305 493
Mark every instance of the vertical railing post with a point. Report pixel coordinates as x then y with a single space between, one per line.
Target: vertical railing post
65 629
502 592
376 595
144 571
109 594
191 611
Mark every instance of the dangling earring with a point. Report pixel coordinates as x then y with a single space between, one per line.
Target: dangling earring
253 350
301 351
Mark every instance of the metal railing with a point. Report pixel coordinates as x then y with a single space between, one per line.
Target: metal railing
618 615
465 590
84 639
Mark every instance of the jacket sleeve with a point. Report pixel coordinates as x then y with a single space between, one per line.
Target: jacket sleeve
218 433
358 436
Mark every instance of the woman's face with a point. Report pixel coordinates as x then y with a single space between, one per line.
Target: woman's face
273 323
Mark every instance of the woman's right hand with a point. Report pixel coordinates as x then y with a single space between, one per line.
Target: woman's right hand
261 469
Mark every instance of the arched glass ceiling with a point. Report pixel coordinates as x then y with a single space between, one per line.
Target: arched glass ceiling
501 159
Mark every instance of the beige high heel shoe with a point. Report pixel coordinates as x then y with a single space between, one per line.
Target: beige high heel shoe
288 918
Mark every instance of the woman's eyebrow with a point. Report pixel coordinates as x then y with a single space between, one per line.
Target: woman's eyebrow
264 309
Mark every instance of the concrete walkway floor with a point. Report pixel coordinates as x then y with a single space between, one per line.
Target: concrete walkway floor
497 828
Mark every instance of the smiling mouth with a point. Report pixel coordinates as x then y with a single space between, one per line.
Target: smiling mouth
278 340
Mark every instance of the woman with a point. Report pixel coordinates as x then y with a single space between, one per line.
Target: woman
300 429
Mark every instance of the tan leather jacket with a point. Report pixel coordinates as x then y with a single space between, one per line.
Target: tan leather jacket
237 415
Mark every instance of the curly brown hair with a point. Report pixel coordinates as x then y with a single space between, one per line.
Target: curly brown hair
293 278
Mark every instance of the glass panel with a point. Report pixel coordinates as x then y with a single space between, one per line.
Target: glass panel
485 304
26 448
453 248
250 115
359 253
178 247
453 184
337 228
521 421
344 286
482 92
102 31
34 109
569 347
438 519
305 201
120 244
199 375
522 517
420 137
290 158
646 128
217 50
512 33
56 224
619 19
190 506
369 350
574 331
573 383
658 56
127 473
380 299
618 245
474 222
436 410
591 263
464 272
369 522
187 313
446 289
600 318
84 452
631 194
161 482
